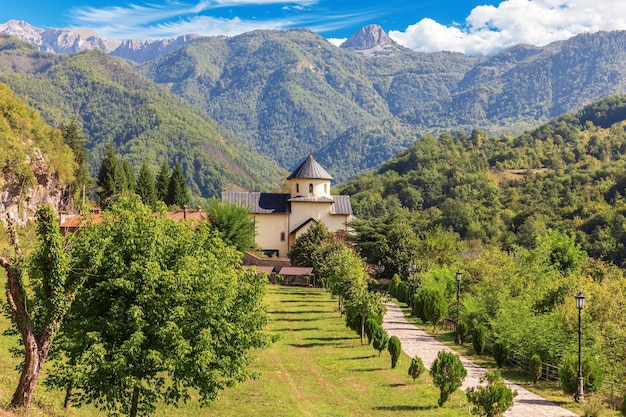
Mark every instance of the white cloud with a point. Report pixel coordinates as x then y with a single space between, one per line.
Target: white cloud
489 29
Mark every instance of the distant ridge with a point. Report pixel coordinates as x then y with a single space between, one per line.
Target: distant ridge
71 41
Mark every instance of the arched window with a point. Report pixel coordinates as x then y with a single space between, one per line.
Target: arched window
310 188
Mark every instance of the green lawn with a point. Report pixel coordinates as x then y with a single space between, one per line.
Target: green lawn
317 368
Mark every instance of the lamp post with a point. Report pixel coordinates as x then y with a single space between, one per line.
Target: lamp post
457 339
580 303
411 278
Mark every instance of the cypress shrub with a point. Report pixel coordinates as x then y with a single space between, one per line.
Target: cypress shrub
463 331
478 339
593 375
448 374
416 368
380 339
394 347
500 352
392 287
402 293
535 368
370 325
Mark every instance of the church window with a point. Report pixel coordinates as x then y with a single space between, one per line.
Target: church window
310 188
325 189
297 188
282 236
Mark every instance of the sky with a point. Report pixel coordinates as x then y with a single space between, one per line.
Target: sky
474 27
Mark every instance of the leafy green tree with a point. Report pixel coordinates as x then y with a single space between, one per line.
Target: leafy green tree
380 339
392 288
500 352
362 303
349 278
163 181
39 293
535 368
370 324
146 187
233 223
111 180
493 399
304 247
170 311
416 368
448 374
478 339
395 349
178 193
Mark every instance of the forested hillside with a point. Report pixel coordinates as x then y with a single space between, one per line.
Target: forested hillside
567 175
145 122
283 91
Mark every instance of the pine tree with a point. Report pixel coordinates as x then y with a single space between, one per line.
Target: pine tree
129 174
111 179
177 192
76 139
146 186
163 181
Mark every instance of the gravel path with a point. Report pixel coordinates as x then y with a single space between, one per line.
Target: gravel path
417 342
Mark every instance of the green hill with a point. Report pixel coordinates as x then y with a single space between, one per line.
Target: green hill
144 121
568 175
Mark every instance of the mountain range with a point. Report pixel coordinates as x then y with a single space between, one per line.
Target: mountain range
276 94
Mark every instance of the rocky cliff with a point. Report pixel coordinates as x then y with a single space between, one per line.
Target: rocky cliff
18 203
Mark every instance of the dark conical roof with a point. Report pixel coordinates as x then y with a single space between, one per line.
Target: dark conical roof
310 169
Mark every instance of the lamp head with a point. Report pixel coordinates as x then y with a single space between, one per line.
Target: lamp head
580 301
459 274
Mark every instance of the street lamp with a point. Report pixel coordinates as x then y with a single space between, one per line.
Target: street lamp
457 339
580 303
412 284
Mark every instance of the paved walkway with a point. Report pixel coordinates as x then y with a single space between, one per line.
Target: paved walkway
417 342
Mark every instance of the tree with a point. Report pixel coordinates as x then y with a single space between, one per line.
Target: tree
592 371
163 181
478 339
178 193
39 293
434 305
535 368
380 339
370 324
146 187
76 139
493 399
111 179
416 368
362 303
500 352
233 223
170 311
395 348
448 374
129 175
304 247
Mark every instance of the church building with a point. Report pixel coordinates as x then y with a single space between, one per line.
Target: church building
281 218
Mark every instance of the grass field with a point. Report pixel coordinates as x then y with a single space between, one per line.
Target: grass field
317 368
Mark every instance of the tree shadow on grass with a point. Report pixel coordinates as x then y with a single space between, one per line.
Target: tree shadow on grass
327 339
308 345
360 357
301 329
296 319
406 408
369 369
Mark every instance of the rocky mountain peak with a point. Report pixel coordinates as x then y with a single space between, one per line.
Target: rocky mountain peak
371 40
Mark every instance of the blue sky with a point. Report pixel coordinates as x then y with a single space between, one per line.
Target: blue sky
469 26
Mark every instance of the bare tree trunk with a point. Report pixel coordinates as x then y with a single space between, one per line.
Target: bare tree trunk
135 402
67 403
362 326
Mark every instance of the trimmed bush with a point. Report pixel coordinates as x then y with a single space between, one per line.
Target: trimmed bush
478 339
535 368
394 347
463 331
448 374
380 339
370 325
493 399
593 375
402 293
416 368
593 407
392 287
500 352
